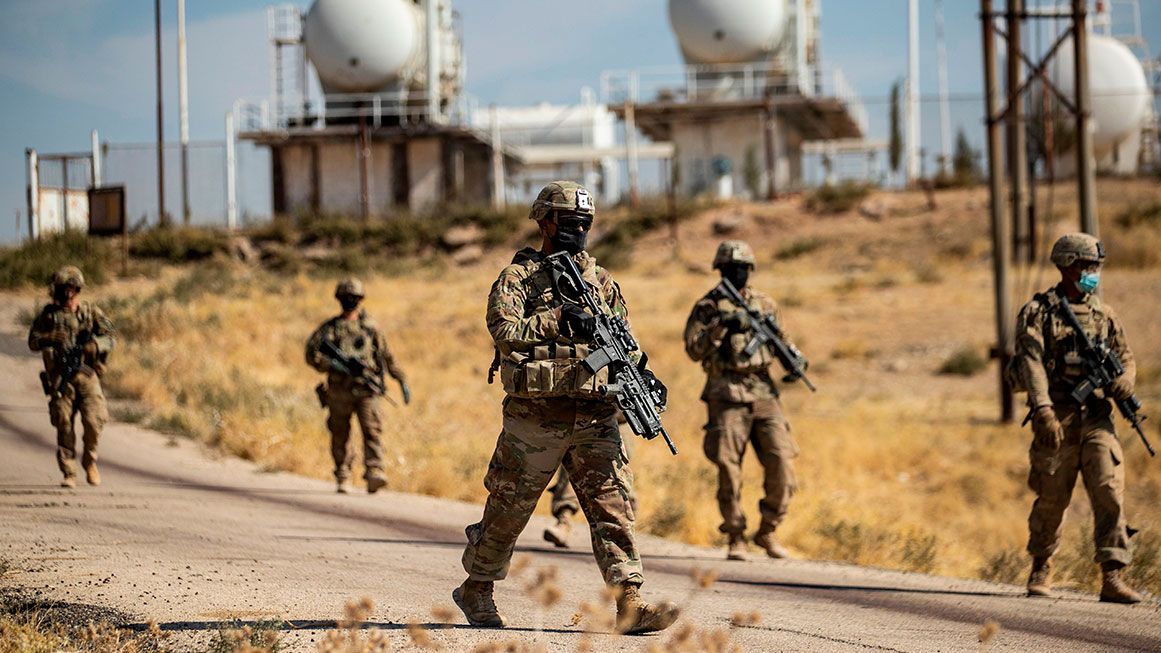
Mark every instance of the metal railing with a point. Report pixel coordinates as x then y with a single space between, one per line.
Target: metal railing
681 84
377 109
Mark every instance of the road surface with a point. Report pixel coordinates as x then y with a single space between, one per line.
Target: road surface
195 541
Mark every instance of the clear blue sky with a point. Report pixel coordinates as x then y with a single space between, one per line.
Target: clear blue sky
68 66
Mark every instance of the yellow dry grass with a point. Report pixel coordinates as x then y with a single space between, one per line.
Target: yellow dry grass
900 467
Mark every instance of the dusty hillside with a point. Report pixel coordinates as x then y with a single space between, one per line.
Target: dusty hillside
901 466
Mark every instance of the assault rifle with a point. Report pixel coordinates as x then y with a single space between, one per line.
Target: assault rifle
639 402
352 367
767 333
1102 366
70 359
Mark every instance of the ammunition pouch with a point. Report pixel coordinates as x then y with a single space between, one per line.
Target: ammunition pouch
320 391
552 371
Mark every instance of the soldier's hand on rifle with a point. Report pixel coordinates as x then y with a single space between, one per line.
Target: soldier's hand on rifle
1046 429
1121 388
737 322
576 323
656 386
406 389
55 338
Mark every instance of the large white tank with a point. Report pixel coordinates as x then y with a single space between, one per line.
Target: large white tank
1120 93
362 46
728 31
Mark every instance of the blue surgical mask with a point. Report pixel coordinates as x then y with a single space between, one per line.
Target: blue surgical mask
1089 281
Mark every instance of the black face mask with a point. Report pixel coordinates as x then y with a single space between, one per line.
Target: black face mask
571 235
349 303
738 275
60 295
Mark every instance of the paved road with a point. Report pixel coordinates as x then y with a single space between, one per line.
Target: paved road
194 541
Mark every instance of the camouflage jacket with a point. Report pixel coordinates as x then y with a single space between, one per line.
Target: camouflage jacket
731 376
57 328
360 339
524 318
1047 357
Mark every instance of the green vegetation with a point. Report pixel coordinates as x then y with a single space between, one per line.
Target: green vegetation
33 263
800 247
966 361
840 198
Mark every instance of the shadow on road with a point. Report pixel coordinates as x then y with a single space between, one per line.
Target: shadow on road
318 624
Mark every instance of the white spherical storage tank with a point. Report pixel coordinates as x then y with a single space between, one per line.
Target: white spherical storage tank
727 31
362 46
1120 93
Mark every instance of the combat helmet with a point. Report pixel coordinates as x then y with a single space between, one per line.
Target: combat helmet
69 275
562 196
350 287
734 251
1071 248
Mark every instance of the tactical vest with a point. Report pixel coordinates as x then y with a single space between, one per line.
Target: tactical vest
552 369
84 319
730 357
1062 345
356 343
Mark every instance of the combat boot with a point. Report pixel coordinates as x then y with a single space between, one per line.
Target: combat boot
342 487
69 481
375 483
474 598
1040 580
635 616
736 549
1114 589
92 475
558 532
770 545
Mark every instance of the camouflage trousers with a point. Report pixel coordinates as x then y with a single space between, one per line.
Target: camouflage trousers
342 403
564 502
730 428
83 396
538 436
1092 450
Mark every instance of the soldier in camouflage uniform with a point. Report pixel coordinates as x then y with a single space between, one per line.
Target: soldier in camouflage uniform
555 415
74 339
1071 438
742 403
356 336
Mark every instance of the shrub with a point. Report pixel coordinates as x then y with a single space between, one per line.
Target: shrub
36 260
1140 214
614 248
967 361
178 245
794 249
829 199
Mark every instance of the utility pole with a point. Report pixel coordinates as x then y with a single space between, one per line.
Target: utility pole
1085 168
1017 145
911 164
1001 236
183 111
944 93
162 218
1023 71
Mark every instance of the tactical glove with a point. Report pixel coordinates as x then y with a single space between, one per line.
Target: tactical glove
406 392
1046 429
1121 388
656 386
737 322
576 323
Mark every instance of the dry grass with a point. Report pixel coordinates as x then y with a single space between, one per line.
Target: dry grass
901 467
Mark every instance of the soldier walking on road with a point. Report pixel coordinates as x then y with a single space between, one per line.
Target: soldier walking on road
354 354
742 403
74 339
555 415
1071 437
